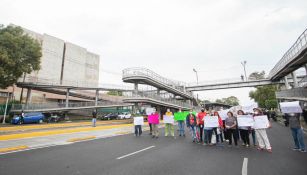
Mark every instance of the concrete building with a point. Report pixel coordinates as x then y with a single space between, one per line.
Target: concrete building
64 63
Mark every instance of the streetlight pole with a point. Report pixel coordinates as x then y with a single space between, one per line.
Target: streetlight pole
244 67
196 75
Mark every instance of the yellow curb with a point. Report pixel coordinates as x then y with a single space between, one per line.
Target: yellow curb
53 125
81 139
60 131
15 148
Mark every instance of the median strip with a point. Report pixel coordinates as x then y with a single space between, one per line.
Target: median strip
15 148
81 139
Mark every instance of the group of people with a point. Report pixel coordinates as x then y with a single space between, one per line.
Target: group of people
227 130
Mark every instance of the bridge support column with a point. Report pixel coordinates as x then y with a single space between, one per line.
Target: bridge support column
67 98
295 83
136 88
305 68
96 97
287 83
158 92
29 96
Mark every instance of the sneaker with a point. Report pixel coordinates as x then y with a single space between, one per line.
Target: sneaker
296 149
227 140
247 146
183 135
269 150
179 135
302 150
260 149
243 144
204 144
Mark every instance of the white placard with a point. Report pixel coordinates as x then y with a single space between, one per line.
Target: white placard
223 114
249 108
149 111
138 120
211 121
245 120
261 122
290 107
168 119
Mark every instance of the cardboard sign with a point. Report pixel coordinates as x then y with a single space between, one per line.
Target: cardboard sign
223 114
149 111
211 121
261 122
290 107
138 120
153 119
245 120
168 119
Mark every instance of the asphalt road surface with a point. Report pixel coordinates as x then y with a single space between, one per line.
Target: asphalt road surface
126 154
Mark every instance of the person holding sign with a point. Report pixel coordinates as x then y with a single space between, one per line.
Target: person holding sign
244 130
297 132
200 123
218 130
191 124
138 121
260 130
231 124
169 123
180 117
154 120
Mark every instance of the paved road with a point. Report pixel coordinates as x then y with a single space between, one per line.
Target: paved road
163 156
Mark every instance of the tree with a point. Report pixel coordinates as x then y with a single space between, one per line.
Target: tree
19 54
265 96
257 75
115 93
232 101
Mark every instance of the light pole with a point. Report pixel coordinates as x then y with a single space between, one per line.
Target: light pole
196 75
244 67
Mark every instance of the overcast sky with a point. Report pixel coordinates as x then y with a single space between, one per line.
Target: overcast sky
170 37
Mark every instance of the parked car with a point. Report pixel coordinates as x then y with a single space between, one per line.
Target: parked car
109 117
124 115
35 117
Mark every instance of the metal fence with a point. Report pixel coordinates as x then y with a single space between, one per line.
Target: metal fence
299 45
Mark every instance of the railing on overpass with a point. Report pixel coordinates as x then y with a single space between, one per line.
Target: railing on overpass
46 106
78 84
159 98
224 81
137 71
295 49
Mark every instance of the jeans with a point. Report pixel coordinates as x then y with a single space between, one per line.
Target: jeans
193 132
150 128
254 136
94 122
138 130
298 137
208 136
181 127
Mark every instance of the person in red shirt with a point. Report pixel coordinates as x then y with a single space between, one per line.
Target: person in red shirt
200 123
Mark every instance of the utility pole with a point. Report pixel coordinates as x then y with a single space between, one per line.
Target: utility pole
244 67
196 75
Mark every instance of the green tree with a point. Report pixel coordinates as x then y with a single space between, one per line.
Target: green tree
257 75
232 101
115 93
19 54
265 96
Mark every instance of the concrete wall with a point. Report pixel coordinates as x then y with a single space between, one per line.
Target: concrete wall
92 68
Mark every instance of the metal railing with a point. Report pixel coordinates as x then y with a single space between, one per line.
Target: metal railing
159 98
46 106
84 84
138 71
299 45
224 81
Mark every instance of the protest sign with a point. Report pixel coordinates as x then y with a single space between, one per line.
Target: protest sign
290 107
179 116
261 122
211 121
249 108
245 120
138 120
168 119
149 111
153 119
223 114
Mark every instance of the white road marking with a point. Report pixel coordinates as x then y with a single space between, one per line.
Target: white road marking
135 152
244 166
